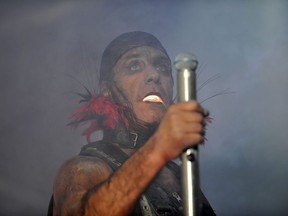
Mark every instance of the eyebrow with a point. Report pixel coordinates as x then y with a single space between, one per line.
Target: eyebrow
133 56
137 55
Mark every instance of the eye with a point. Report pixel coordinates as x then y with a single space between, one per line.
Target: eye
163 68
135 66
163 65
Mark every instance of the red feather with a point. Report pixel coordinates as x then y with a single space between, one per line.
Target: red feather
101 113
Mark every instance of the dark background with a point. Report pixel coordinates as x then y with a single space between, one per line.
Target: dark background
48 48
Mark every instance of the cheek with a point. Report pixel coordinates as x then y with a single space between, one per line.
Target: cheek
168 87
128 88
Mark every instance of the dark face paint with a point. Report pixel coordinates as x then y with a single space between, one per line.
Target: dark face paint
143 76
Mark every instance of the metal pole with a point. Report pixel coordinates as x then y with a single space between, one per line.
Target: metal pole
186 65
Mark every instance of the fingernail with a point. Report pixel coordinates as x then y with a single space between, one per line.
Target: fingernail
203 132
204 123
206 112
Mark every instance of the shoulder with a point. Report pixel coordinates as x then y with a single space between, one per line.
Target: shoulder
78 175
84 167
75 177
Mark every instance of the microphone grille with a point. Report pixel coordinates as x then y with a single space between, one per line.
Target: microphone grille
185 61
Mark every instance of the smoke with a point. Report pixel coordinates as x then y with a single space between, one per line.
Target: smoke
49 49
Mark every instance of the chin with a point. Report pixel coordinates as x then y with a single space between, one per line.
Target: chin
150 113
151 117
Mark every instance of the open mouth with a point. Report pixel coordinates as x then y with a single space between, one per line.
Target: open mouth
152 98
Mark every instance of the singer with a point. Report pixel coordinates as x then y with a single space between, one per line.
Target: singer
130 171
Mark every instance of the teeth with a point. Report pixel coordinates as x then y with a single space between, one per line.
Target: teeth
153 98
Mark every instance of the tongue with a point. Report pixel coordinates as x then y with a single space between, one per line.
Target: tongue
153 98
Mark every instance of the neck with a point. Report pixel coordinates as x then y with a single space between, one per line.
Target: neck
132 138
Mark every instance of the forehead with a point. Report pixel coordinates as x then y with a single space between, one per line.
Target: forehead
143 52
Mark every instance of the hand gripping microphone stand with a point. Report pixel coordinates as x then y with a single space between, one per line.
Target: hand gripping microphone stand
186 65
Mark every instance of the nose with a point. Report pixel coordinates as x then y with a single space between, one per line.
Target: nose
152 75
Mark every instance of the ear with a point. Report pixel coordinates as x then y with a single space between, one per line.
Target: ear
104 89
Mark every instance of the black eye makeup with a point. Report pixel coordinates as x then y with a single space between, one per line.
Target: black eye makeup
135 66
162 65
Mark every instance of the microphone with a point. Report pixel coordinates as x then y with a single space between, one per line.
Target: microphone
186 65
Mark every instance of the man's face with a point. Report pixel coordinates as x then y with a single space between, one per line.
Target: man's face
143 76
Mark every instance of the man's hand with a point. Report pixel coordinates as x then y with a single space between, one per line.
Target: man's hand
182 126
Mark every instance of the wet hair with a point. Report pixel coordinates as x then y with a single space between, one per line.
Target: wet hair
120 45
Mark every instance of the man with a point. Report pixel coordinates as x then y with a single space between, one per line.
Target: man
130 171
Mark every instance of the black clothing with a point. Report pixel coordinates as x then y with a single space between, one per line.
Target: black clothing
162 200
158 199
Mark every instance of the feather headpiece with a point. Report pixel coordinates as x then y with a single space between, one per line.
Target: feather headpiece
101 113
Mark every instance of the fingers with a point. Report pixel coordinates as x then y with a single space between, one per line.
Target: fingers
193 139
196 129
183 126
190 106
191 116
189 112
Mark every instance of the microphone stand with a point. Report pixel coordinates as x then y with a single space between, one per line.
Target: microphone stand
190 165
190 182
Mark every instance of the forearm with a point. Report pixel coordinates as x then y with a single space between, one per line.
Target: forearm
118 195
75 188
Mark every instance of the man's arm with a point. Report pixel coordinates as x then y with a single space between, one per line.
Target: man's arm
74 178
181 127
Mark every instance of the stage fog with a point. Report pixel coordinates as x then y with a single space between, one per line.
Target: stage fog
49 50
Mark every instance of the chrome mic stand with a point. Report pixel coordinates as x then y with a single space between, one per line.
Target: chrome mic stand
186 65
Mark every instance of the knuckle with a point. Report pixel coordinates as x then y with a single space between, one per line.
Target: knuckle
194 104
198 138
198 117
172 118
198 128
173 107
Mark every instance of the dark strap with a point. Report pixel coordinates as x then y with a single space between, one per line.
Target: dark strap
206 209
157 196
112 155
